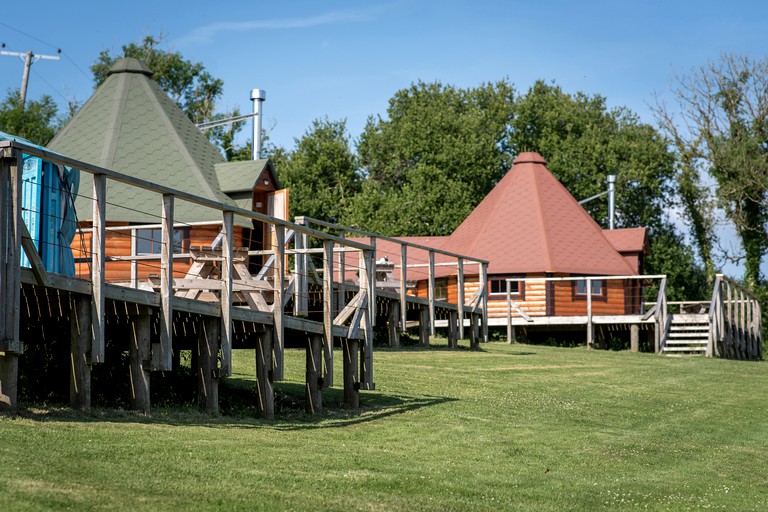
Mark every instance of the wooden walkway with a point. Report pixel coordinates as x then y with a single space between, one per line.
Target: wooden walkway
301 293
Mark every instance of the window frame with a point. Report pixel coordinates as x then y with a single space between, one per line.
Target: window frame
602 295
502 294
153 237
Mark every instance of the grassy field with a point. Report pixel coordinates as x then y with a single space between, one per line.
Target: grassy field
506 428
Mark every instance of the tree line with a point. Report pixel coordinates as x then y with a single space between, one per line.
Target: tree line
422 167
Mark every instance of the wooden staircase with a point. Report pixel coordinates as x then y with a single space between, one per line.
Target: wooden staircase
688 334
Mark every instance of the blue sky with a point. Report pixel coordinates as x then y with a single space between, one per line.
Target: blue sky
345 59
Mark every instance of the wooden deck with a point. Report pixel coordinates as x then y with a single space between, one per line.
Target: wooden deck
301 291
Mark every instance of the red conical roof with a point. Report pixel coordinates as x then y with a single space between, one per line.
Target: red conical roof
530 223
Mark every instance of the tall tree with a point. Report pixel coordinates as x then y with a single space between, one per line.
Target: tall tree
435 156
188 83
35 122
723 122
321 171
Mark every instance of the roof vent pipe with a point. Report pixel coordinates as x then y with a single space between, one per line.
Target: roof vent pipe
611 179
258 96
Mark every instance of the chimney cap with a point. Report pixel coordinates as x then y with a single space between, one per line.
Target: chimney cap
529 157
258 94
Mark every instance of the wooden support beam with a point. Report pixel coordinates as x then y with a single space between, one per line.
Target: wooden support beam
301 287
484 300
208 331
328 312
97 267
38 268
351 382
590 326
227 271
366 322
403 286
264 376
393 321
166 285
424 327
314 379
452 329
474 331
342 289
139 356
431 292
9 381
634 338
460 297
277 305
81 328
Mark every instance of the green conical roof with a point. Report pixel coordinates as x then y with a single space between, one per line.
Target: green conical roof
131 126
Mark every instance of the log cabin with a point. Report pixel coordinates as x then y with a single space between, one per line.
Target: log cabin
529 227
131 126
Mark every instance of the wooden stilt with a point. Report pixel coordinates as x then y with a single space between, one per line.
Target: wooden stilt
634 338
452 329
393 324
351 380
208 355
474 332
80 345
314 396
265 376
140 361
424 327
9 379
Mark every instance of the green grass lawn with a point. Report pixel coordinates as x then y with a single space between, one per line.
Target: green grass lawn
510 427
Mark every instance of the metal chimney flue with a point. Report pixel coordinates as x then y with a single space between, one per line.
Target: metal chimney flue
258 96
611 179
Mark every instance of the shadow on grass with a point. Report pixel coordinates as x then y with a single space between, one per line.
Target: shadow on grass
237 401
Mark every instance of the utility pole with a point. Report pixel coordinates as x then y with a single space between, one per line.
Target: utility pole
28 58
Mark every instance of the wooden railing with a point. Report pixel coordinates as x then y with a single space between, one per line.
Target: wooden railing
735 322
477 305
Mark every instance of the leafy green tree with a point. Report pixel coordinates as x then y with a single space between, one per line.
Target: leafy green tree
321 171
188 83
35 122
722 127
436 155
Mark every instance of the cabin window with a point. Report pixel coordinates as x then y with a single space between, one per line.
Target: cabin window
149 241
498 287
598 289
441 289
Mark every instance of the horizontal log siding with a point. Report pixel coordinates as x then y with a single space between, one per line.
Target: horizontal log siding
118 243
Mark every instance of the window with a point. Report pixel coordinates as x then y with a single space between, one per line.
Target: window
598 289
149 241
441 289
498 287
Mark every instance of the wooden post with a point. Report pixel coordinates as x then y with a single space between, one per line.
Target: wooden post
97 267
424 327
328 312
264 375
366 323
227 238
634 338
166 285
342 291
351 383
139 354
590 327
484 300
134 262
393 321
460 296
81 326
372 285
431 293
509 311
452 329
301 286
474 332
314 396
208 333
277 306
403 287
11 225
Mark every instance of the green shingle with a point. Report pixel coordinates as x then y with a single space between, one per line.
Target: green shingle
131 126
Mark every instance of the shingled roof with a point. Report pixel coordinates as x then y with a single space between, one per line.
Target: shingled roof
529 223
131 126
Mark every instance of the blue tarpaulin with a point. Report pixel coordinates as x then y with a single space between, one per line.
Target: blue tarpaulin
48 198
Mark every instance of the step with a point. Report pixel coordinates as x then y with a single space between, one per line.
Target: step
687 335
688 327
678 318
685 349
699 341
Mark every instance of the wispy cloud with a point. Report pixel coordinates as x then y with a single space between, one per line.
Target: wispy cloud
208 33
